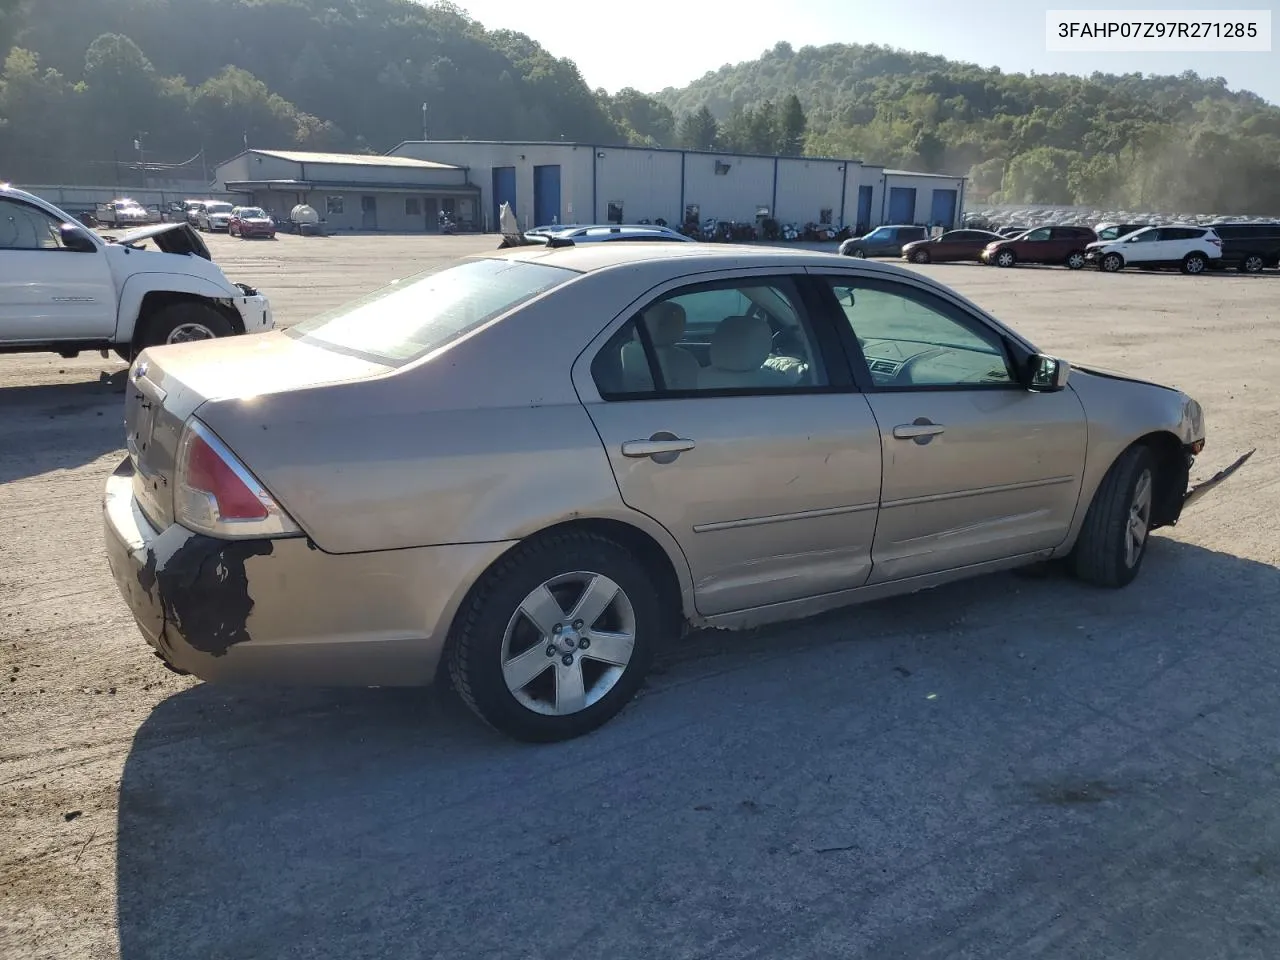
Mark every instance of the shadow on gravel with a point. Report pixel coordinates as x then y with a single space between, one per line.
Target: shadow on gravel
60 426
968 771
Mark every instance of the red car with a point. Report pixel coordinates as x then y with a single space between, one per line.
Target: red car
251 222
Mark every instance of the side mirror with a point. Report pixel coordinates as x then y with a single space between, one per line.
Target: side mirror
1047 374
75 239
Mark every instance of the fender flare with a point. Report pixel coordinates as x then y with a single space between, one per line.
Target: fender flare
137 287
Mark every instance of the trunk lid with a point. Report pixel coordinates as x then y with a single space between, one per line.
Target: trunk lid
167 385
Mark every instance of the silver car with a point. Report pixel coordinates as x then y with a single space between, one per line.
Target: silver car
529 470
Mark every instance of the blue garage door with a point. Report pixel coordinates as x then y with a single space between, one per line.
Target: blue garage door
504 191
546 195
902 204
864 209
944 209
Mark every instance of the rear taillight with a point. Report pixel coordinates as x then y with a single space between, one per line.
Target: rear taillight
1216 242
216 494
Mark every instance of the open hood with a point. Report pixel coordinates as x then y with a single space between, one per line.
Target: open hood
177 238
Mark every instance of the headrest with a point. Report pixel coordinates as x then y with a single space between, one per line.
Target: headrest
666 323
741 344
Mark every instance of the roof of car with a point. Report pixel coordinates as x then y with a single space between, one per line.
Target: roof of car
601 256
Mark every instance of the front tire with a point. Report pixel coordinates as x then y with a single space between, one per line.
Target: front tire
920 256
557 637
1111 263
1006 258
1113 540
1194 263
184 322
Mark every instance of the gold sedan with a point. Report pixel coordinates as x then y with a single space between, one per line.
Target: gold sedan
528 470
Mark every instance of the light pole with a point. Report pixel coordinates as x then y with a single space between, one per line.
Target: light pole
142 156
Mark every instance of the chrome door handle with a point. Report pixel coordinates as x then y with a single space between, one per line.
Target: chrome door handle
922 431
664 445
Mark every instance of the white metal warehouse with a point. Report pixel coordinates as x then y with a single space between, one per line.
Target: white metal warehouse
581 183
352 191
556 182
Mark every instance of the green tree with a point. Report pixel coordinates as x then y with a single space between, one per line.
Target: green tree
1038 176
698 130
793 124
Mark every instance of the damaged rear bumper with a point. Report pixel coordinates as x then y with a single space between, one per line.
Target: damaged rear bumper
281 610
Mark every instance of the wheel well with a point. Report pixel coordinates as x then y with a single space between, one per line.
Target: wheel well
157 300
651 554
1172 471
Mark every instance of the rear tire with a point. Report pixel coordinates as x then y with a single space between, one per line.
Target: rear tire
493 635
1117 528
184 322
1075 260
1252 264
1194 263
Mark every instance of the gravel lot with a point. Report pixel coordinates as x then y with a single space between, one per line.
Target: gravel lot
1014 767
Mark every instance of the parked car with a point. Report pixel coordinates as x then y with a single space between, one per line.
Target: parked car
96 294
214 215
1056 244
741 435
122 213
1249 247
1189 247
251 222
613 231
886 241
191 210
951 246
1114 231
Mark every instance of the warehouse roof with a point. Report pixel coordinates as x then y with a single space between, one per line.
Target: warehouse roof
615 146
354 159
916 173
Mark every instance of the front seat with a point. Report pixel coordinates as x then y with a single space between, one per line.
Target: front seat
666 323
739 348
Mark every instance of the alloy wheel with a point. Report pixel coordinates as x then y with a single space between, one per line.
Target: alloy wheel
568 643
189 333
1139 521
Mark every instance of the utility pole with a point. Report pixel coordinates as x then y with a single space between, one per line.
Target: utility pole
424 120
142 157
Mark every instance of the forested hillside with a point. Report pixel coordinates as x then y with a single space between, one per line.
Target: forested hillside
84 79
1177 143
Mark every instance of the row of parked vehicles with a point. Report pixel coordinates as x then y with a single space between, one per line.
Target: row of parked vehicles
219 216
1193 248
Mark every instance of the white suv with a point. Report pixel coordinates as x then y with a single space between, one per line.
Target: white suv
64 289
1182 245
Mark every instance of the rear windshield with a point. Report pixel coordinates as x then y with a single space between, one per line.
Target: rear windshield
413 317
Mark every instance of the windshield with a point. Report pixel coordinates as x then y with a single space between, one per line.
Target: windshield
418 315
218 207
252 213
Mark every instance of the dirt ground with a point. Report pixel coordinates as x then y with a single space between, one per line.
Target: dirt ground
1014 767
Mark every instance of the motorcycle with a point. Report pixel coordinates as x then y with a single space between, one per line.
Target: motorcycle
789 232
447 226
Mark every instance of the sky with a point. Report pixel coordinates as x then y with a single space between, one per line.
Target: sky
652 44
